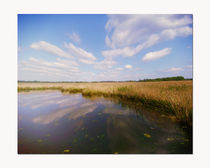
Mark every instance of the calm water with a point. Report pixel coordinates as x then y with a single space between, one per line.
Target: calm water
52 122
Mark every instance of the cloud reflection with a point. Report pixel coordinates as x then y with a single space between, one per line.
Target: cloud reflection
75 110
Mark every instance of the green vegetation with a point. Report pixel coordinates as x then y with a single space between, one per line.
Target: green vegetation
182 114
176 78
27 89
72 90
178 88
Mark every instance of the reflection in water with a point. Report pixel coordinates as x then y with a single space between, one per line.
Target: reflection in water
82 111
51 122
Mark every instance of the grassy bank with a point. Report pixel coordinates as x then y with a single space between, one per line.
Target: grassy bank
27 89
173 98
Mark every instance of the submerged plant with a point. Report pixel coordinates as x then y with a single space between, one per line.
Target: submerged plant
147 135
66 150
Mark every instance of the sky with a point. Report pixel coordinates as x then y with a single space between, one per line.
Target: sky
85 47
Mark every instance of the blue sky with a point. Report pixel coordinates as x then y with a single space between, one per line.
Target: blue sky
103 47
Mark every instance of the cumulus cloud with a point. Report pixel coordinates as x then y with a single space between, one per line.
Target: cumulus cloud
45 46
74 37
156 54
75 52
80 53
128 66
127 35
124 30
130 51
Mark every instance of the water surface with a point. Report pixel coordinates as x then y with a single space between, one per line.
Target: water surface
52 122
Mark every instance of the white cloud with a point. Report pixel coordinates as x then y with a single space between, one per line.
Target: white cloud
127 35
128 66
124 30
107 63
86 61
38 67
45 46
75 37
169 34
174 69
79 52
69 63
130 51
127 51
156 54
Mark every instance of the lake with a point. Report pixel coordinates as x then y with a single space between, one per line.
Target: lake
50 122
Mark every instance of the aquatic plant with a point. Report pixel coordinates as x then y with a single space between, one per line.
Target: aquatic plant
147 135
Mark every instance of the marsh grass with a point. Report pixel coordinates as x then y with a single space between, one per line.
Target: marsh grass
173 98
27 89
72 90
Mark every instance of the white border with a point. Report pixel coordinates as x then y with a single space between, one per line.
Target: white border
8 120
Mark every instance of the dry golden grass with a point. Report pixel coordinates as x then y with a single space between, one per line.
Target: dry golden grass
172 96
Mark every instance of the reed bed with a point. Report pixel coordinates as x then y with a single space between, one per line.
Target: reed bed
171 97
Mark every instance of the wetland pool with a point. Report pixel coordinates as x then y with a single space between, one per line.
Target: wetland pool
50 122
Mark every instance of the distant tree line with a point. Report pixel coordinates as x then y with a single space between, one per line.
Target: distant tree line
176 78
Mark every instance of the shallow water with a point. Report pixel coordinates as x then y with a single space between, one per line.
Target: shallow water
52 122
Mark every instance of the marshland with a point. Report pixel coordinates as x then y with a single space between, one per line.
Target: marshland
172 97
105 84
109 117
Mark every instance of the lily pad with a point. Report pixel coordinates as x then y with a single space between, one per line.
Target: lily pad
66 150
170 139
147 135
